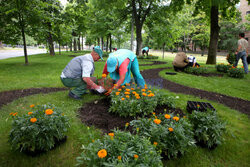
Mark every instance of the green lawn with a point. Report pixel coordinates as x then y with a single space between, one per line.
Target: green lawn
44 71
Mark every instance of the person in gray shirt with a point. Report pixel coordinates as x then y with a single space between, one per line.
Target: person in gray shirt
78 72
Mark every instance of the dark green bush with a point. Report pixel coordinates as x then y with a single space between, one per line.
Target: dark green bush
195 70
231 58
236 72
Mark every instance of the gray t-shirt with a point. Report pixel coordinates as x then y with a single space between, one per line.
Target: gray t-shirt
78 67
243 44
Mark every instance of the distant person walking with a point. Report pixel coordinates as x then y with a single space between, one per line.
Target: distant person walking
242 52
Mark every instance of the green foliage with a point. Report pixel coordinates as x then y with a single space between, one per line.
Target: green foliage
172 135
208 128
236 72
196 70
132 101
222 67
231 58
122 150
38 130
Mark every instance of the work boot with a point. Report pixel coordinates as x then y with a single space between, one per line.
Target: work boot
72 95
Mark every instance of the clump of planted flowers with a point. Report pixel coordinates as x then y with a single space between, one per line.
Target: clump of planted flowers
38 129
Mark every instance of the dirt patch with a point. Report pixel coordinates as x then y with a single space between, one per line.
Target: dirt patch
9 96
153 78
96 114
209 75
154 63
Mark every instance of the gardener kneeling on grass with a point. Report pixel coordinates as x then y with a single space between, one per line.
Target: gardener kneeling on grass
78 72
119 65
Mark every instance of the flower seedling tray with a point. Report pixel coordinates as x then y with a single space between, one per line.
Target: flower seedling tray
199 106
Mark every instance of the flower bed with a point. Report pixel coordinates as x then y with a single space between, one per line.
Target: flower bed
195 70
38 130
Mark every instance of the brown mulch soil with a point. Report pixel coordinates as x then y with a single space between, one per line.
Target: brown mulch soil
153 78
9 96
154 63
209 75
96 114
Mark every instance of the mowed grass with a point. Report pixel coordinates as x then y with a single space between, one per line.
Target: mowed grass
44 71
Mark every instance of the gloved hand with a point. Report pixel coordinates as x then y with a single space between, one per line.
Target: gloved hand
100 89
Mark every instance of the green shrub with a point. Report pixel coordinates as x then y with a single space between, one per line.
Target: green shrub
121 149
171 135
195 70
231 58
223 68
208 128
236 72
38 130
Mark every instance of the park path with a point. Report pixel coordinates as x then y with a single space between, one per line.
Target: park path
152 77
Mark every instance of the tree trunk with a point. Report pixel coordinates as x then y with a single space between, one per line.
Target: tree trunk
24 46
138 39
75 45
107 44
98 41
214 35
1 44
82 43
50 41
66 48
110 43
132 34
59 49
163 48
102 43
79 43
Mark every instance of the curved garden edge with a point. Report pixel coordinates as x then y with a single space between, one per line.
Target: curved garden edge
9 96
233 102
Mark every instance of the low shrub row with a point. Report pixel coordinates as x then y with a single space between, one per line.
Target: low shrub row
231 70
195 70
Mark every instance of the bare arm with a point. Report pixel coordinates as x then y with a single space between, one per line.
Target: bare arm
90 82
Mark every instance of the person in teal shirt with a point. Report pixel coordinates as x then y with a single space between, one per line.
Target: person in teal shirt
120 64
145 50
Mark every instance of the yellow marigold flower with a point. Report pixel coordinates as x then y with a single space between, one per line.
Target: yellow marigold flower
127 93
119 157
127 124
123 99
127 96
157 121
137 97
29 113
143 90
102 153
32 105
127 90
137 129
132 89
198 105
134 92
119 89
167 116
48 112
111 134
33 120
144 94
145 85
149 91
170 129
93 141
11 113
123 86
117 93
155 116
153 113
115 84
176 118
136 156
104 75
155 143
15 114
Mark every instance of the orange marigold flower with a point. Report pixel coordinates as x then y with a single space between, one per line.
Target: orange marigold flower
111 134
119 89
127 93
155 143
15 114
32 105
127 124
132 89
127 96
149 91
153 113
167 116
137 97
136 156
198 105
11 113
102 153
48 112
143 90
115 84
134 92
119 157
123 98
104 75
29 113
242 66
127 90
33 120
144 94
117 93
170 129
157 121
127 84
184 117
176 118
123 86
